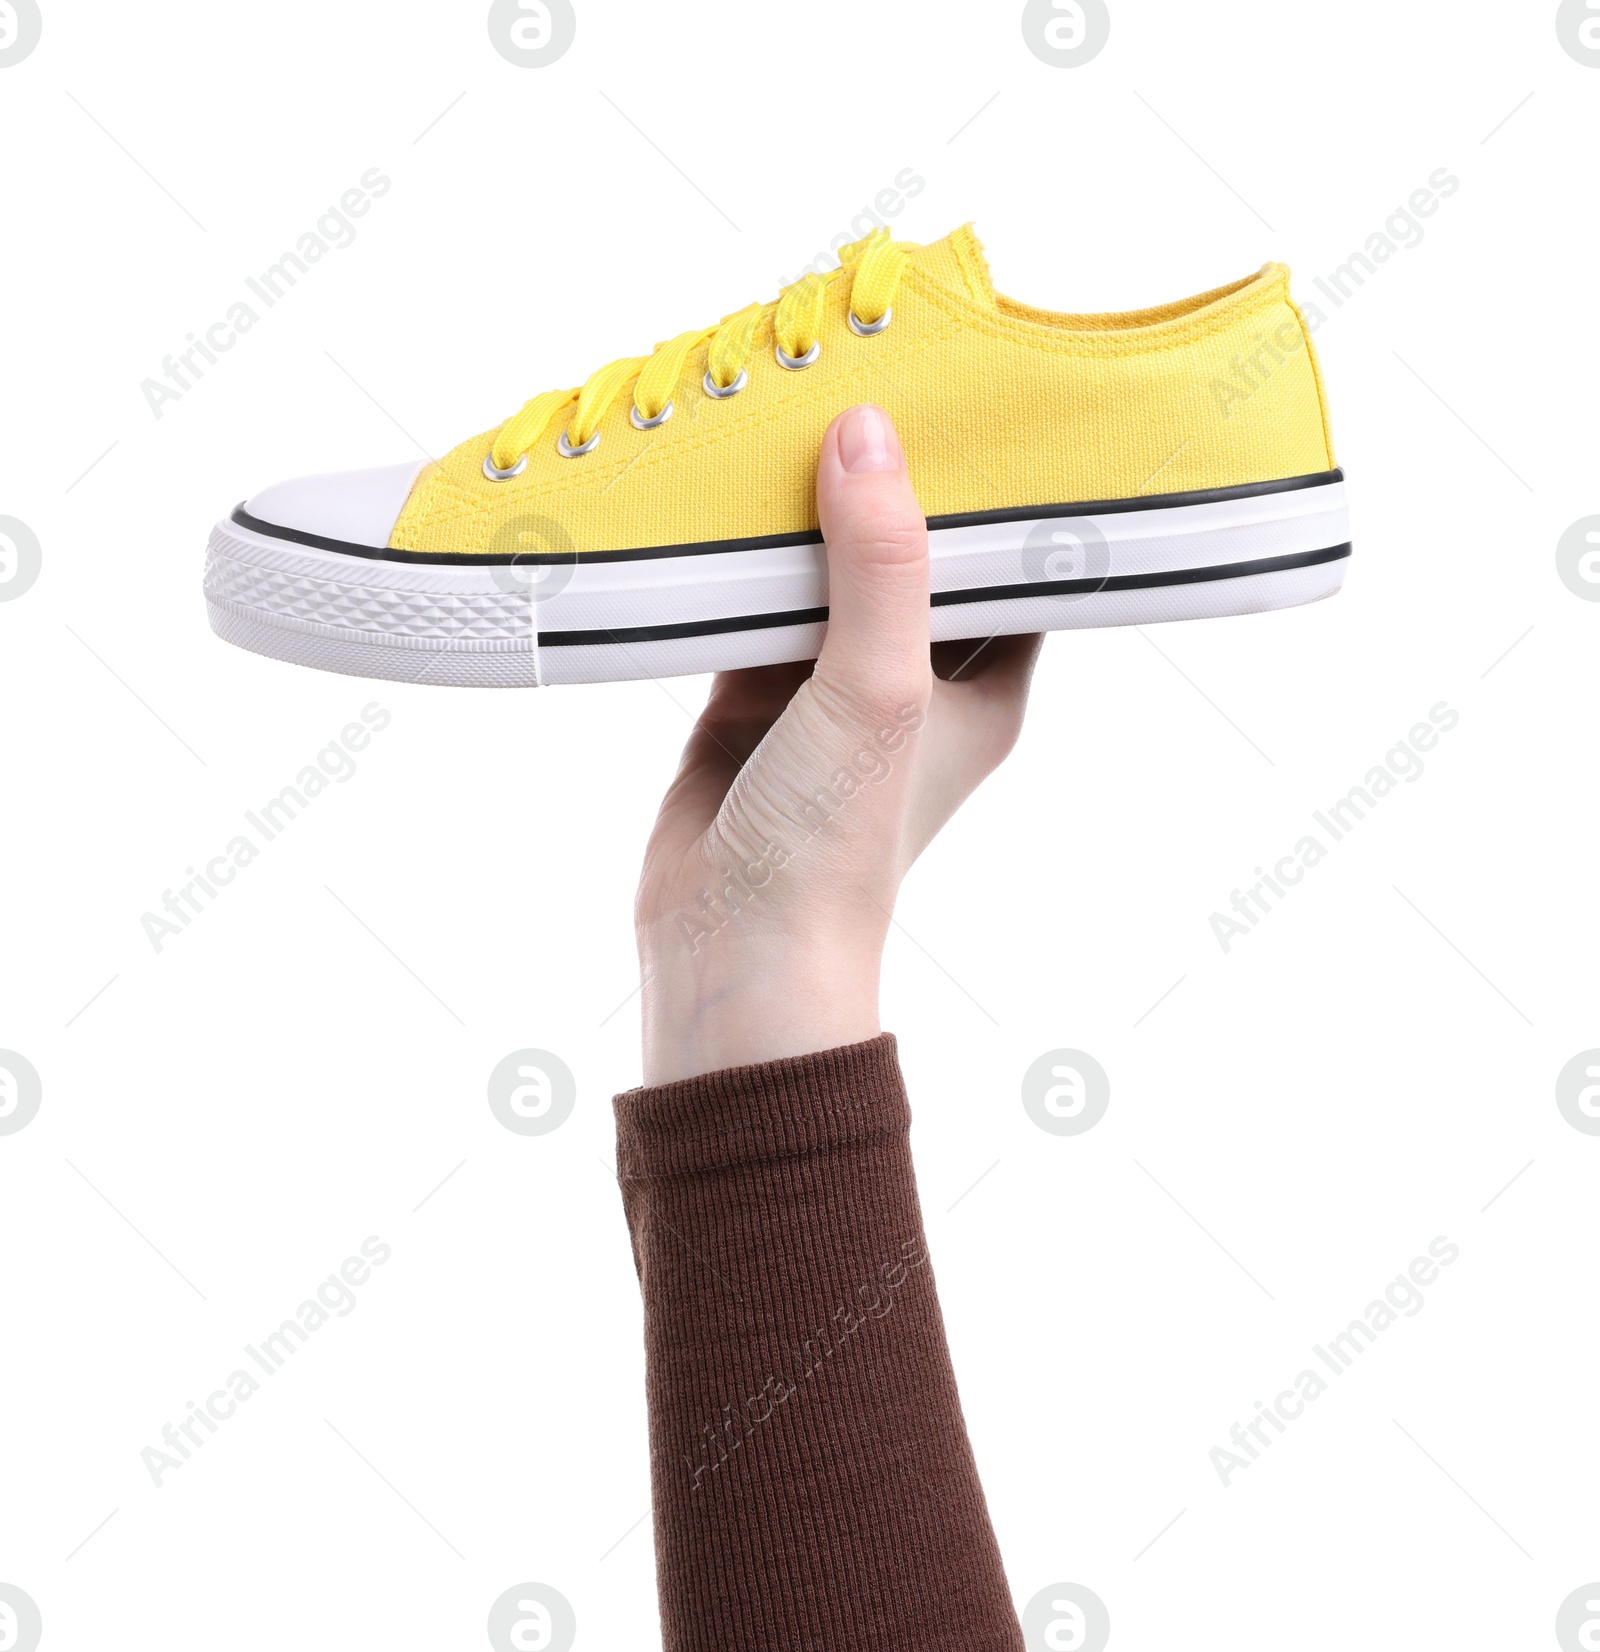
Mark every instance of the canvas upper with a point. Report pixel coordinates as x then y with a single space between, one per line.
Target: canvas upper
999 405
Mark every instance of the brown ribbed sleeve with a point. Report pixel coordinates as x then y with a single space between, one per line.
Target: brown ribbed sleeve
814 1487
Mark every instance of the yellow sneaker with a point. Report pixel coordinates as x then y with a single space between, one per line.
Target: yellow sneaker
1077 470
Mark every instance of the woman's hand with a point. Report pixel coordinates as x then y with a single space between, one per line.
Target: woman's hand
806 792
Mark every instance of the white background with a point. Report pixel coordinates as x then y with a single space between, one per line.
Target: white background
276 1085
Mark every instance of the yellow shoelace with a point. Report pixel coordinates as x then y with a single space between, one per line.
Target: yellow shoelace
873 267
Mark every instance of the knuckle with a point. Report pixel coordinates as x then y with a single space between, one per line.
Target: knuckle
1007 731
881 701
887 535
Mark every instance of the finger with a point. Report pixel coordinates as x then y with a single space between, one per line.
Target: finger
1002 664
983 704
1004 671
739 712
743 705
877 539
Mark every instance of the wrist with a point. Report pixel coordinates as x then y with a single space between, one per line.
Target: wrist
702 1013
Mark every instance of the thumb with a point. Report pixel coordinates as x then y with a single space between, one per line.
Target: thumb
877 540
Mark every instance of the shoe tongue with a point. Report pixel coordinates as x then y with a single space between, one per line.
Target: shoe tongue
957 262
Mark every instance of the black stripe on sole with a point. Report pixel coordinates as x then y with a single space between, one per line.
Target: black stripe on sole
965 519
952 599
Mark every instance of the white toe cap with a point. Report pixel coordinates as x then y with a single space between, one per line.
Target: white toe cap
358 507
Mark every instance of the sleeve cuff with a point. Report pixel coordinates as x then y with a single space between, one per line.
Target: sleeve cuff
777 1109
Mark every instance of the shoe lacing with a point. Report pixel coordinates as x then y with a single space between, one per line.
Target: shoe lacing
872 266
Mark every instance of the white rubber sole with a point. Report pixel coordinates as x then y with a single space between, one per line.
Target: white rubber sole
677 611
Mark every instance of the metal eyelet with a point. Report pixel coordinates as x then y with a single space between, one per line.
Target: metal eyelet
568 451
722 391
642 423
503 475
867 329
795 363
